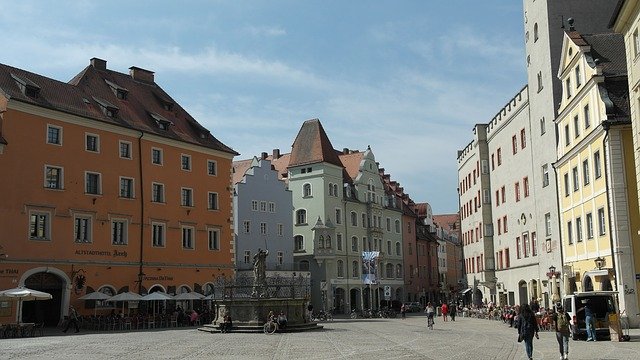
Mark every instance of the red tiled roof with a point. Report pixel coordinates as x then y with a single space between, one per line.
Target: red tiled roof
281 165
240 167
89 90
351 163
312 146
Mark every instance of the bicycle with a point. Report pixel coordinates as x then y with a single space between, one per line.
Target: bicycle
270 327
430 322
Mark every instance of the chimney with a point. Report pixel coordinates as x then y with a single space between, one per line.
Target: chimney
141 74
276 154
264 156
345 151
98 64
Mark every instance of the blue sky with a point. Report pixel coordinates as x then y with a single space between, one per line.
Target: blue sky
409 78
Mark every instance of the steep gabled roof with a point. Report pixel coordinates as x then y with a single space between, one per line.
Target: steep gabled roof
446 221
312 146
351 162
240 168
609 50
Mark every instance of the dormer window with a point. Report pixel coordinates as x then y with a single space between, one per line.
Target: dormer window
107 108
167 105
161 122
120 92
28 87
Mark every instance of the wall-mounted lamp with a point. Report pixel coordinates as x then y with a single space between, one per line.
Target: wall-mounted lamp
552 272
108 267
600 262
197 270
159 269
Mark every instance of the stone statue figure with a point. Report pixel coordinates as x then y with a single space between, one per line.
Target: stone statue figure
259 273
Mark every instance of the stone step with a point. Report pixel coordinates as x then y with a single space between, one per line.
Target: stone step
211 328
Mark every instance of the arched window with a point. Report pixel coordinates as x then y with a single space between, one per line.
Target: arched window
335 189
321 242
298 242
354 219
330 189
327 242
306 190
389 271
304 265
355 269
535 32
398 248
397 226
354 244
340 265
301 217
364 220
398 271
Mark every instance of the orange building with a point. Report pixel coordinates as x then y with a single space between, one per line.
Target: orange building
106 184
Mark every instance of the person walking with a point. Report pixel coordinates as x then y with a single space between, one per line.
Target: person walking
430 311
561 320
445 311
527 328
452 311
590 321
403 311
73 319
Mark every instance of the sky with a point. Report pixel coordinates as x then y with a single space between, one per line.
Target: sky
408 78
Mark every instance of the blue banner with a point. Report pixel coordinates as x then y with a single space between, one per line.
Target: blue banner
369 267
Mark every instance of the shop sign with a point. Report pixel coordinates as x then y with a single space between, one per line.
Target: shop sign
6 272
158 278
114 253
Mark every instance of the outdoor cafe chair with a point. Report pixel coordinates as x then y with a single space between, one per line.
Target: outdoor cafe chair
151 321
174 321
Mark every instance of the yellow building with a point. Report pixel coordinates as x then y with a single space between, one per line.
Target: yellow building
595 167
626 21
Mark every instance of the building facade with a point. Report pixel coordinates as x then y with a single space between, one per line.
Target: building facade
109 185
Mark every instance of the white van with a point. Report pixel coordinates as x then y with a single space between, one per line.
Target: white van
603 304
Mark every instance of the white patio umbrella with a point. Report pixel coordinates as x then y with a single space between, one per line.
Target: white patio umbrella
125 297
189 296
96 295
156 296
23 294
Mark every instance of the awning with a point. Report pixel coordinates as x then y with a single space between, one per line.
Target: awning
594 273
465 291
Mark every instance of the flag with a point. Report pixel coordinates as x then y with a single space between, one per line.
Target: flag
369 266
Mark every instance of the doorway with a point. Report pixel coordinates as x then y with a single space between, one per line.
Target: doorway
48 311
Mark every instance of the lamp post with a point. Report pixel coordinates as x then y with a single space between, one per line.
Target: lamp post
555 297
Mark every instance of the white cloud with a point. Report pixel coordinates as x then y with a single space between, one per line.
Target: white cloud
268 31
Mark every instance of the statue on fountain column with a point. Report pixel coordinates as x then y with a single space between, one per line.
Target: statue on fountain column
259 273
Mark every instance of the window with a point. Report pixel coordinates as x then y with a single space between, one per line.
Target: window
388 225
53 177
156 156
158 234
280 258
298 243
587 121
339 241
212 167
354 244
280 229
547 224
263 228
534 244
39 226
398 271
540 81
567 135
589 226
576 178
493 165
576 126
397 223
187 237
119 232
535 32
579 229
601 223
186 198
507 258
92 143
327 242
525 244
355 269
82 229
486 196
388 270
364 220
585 172
503 195
398 248
504 224
567 87
570 232
306 190
301 217
272 207
246 225
338 216
567 187
92 183
354 219
517 191
254 205
213 201
330 189
499 227
125 149
523 139
525 186
545 175
636 43
543 127
499 154
596 165
214 239
157 193
54 135
126 188
514 144
185 162
518 248
247 256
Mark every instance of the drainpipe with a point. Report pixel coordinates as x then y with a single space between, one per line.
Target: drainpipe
555 171
140 263
606 125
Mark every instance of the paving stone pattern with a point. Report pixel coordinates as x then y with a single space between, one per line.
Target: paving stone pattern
464 339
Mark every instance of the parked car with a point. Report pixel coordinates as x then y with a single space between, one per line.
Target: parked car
603 303
413 306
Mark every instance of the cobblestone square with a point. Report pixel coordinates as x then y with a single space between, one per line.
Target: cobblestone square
464 339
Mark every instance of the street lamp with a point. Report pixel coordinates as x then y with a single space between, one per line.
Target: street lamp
600 262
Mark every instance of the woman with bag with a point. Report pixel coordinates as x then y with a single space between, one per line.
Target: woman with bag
562 324
527 328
